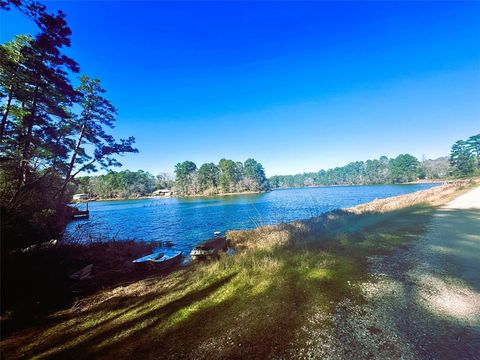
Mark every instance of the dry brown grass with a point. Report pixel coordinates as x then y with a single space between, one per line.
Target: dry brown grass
306 231
434 197
251 305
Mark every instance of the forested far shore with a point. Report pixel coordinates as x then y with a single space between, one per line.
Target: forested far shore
209 179
229 177
123 184
226 177
464 161
402 169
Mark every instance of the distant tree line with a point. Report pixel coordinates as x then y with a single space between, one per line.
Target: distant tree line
225 177
465 157
229 176
123 184
404 168
209 179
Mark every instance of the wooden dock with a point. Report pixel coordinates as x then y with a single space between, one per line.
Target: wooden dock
74 213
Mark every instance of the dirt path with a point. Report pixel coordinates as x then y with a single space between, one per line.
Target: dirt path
424 302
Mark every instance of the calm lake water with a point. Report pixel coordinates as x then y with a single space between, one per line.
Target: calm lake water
187 222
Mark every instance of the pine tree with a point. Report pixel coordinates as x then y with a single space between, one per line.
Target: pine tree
462 159
97 115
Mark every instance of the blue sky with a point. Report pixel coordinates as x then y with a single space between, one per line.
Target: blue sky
297 86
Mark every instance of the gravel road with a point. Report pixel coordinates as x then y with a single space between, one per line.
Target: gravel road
424 301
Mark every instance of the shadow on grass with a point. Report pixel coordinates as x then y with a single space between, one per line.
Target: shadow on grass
447 324
36 283
249 324
155 315
127 304
252 305
436 283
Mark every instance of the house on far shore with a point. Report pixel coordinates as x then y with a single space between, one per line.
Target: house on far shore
163 192
81 197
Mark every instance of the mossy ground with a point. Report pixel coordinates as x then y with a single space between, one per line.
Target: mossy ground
250 305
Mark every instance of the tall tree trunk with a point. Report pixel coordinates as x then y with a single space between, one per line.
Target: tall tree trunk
28 122
75 151
6 112
71 165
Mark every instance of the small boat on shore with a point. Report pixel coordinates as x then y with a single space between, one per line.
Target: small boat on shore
147 258
160 259
210 249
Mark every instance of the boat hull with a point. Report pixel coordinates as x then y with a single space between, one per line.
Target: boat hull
164 264
210 249
160 260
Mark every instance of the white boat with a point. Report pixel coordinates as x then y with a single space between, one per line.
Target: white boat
161 259
148 258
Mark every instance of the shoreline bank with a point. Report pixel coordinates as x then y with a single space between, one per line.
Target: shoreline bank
380 184
434 196
429 181
281 278
168 197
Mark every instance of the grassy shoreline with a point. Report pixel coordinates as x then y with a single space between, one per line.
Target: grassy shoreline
251 305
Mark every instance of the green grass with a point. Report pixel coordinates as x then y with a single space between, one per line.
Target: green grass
251 305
